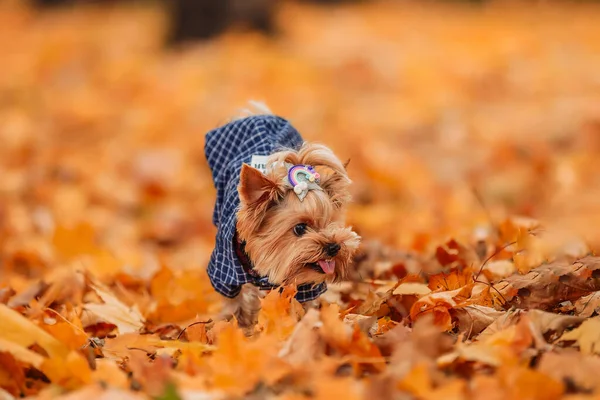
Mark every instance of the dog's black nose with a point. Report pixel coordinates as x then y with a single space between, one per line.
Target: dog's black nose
332 249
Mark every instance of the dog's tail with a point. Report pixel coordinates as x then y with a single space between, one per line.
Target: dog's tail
253 108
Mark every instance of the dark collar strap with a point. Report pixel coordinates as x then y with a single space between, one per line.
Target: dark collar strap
240 251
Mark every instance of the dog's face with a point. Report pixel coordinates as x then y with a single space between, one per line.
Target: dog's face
293 241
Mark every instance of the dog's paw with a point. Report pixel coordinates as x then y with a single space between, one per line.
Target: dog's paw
244 308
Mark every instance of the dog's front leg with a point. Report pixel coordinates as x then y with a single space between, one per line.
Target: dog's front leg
316 304
244 307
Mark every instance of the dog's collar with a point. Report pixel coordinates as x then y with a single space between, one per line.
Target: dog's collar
243 257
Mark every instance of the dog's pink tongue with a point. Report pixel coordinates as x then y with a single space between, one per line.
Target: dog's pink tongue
327 266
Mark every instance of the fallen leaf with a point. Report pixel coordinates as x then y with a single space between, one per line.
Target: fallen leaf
587 335
419 289
438 304
109 374
472 320
563 280
454 390
571 366
589 305
499 269
546 322
484 387
500 324
21 353
152 375
365 323
22 332
522 383
69 334
127 319
12 377
279 313
417 381
304 344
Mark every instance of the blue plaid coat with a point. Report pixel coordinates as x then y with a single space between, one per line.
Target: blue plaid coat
226 149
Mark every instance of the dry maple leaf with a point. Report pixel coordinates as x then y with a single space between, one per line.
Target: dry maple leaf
546 324
587 336
412 288
238 364
280 312
153 375
472 320
21 353
589 305
182 295
580 370
504 347
521 383
12 376
304 344
550 284
439 304
127 319
62 366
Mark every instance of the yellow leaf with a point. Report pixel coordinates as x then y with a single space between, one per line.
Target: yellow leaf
70 372
19 330
63 367
20 353
67 333
334 331
279 313
415 288
587 335
108 372
417 381
127 319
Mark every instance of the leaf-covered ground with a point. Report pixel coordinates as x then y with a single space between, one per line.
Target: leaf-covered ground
474 136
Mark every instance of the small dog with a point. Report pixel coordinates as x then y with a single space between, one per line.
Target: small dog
279 213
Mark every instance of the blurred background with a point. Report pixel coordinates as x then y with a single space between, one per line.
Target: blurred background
455 115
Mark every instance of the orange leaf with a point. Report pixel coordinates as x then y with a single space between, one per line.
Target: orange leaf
417 381
526 384
67 333
280 312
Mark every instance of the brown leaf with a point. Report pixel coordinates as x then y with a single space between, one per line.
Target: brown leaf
587 335
21 353
367 324
304 344
572 366
547 285
546 322
153 375
589 305
127 319
472 320
501 323
522 383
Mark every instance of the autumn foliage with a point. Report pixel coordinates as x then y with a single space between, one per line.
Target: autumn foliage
473 134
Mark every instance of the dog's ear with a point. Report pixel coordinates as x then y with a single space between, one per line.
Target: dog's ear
336 186
255 187
257 193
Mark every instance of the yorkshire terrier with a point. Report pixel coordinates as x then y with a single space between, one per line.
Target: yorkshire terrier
279 213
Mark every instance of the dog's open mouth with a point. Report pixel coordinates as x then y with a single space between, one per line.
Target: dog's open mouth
323 266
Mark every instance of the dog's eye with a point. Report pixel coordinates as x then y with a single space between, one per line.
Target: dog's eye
300 229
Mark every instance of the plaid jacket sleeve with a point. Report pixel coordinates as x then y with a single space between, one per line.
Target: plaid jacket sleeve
226 149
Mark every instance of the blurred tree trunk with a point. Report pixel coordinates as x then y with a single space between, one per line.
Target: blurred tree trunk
203 19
